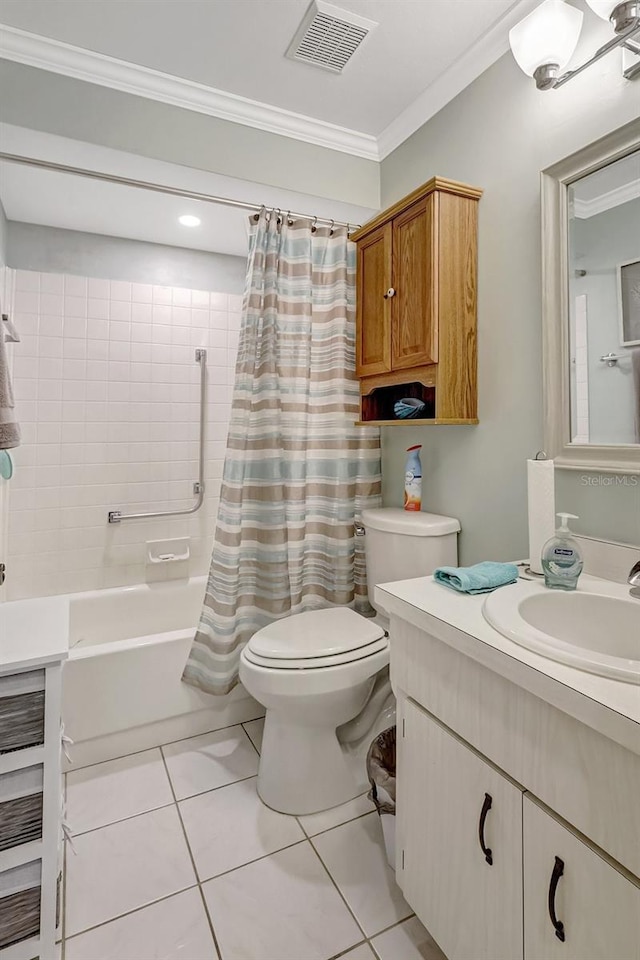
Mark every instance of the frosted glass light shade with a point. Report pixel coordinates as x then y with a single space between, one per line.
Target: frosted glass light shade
604 8
548 35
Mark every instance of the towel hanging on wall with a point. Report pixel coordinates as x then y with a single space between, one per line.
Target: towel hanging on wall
9 428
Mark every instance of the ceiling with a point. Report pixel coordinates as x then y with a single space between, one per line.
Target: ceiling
238 47
54 199
617 183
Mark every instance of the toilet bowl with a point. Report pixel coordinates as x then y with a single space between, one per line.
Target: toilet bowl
323 675
313 672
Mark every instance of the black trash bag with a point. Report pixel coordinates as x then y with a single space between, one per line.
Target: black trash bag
381 770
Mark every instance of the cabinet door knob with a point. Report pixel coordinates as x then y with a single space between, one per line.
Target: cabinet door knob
558 925
390 293
486 806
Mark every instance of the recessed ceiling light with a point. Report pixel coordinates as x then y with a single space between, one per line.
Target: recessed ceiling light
188 220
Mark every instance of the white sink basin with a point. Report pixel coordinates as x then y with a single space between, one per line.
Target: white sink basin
596 632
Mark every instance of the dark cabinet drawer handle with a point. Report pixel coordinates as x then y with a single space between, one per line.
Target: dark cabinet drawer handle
558 925
486 806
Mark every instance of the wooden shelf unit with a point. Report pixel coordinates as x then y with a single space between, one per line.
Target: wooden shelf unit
435 422
416 307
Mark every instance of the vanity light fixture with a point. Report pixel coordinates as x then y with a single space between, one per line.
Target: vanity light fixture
188 220
544 42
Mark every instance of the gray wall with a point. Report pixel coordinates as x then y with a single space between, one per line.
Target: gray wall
84 111
51 250
499 134
4 229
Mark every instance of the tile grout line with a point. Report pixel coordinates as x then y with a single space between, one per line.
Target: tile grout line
159 746
345 953
242 724
340 893
336 826
216 945
169 896
129 913
199 883
161 806
249 863
112 823
367 937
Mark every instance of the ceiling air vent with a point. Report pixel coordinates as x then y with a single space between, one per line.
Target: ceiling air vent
328 36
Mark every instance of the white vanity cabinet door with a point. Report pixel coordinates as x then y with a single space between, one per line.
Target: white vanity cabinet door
471 908
597 905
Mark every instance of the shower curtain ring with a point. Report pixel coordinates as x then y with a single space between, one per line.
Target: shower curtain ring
332 226
314 225
290 222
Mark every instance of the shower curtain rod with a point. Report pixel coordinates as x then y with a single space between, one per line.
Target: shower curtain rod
159 188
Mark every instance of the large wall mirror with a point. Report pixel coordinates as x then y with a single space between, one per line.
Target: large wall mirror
591 303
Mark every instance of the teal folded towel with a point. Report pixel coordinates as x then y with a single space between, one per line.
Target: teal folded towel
481 578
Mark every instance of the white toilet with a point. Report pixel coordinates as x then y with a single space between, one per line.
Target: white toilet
316 671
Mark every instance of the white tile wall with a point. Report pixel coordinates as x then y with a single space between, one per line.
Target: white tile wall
107 393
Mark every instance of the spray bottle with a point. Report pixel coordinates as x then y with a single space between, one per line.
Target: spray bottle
413 479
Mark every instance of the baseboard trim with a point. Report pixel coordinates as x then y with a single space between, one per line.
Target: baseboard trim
84 753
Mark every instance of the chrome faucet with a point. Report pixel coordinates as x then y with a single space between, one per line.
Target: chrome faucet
634 580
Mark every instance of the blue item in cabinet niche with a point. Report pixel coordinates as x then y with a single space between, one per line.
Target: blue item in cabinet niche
408 408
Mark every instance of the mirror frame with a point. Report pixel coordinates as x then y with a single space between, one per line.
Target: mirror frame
555 183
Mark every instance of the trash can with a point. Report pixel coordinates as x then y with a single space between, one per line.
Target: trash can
381 770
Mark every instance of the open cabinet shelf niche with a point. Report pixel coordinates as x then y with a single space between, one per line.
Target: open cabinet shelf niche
380 403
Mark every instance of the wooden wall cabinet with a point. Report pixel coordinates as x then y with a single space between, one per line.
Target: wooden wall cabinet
417 304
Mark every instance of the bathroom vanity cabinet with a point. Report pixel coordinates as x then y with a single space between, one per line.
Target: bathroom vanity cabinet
518 822
416 305
33 646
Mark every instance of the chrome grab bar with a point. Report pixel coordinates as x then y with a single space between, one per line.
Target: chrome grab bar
115 516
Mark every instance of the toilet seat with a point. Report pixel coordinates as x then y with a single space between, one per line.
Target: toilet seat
317 663
319 638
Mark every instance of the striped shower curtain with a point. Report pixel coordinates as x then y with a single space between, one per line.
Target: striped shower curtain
297 471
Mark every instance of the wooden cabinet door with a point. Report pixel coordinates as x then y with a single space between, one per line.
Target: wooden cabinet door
597 905
414 318
373 308
472 908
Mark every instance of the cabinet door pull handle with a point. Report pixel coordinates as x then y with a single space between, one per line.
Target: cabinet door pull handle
558 925
486 806
390 293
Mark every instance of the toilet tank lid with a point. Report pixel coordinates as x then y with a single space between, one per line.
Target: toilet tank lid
409 523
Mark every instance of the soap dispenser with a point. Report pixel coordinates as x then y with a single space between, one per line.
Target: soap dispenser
561 559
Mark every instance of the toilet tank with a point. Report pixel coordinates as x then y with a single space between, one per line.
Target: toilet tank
401 544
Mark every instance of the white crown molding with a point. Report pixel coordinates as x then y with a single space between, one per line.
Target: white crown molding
71 61
583 209
490 47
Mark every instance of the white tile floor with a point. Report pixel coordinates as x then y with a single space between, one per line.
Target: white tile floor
176 858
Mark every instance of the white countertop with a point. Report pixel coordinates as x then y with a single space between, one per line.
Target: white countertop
608 705
33 633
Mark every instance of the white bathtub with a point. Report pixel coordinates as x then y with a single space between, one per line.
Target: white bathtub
122 687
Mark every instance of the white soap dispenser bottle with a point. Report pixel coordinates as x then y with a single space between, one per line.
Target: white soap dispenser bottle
561 558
